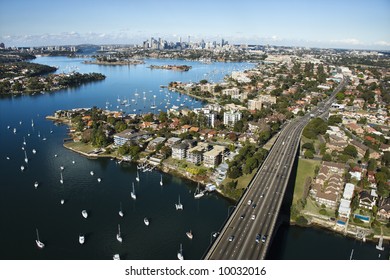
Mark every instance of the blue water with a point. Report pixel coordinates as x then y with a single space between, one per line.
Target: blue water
361 217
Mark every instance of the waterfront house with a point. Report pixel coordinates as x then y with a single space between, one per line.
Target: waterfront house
366 200
123 137
344 208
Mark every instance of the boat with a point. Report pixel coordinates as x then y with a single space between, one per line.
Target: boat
34 151
133 195
116 257
81 239
161 181
198 193
99 180
32 123
91 173
380 244
189 234
38 242
25 157
137 178
180 253
36 184
7 158
146 221
62 167
84 213
24 141
62 201
179 206
62 179
118 235
120 210
14 130
22 167
73 162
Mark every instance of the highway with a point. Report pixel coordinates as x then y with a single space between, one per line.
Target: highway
256 213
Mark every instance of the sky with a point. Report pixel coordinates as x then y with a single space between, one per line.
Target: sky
353 24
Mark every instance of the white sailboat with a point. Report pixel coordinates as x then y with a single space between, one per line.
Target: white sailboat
133 195
189 234
154 103
118 235
180 253
36 184
32 123
24 141
34 151
99 180
116 257
91 173
161 181
38 242
198 193
120 210
179 206
146 221
81 239
25 157
84 213
62 179
22 168
137 177
62 201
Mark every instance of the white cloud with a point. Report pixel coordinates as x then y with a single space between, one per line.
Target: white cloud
348 41
382 43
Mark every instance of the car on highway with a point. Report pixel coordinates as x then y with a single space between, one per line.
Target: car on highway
254 205
258 237
253 217
249 201
231 238
262 195
264 238
242 216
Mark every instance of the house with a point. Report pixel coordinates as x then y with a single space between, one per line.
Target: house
366 200
123 137
172 141
344 208
384 209
179 151
361 148
348 191
231 117
155 142
185 128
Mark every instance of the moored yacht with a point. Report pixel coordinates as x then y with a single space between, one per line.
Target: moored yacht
38 242
180 253
36 184
133 195
179 206
146 221
189 234
84 213
81 239
118 235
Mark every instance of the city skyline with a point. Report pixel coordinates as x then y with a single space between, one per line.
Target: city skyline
327 24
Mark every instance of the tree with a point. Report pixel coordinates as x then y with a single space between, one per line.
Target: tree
386 158
308 146
234 172
309 154
350 151
327 157
334 119
371 165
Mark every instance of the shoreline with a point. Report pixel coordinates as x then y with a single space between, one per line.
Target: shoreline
114 63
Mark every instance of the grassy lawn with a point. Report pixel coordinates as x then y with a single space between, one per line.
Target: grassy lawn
243 181
306 169
312 207
79 146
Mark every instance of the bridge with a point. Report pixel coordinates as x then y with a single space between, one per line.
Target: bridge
248 232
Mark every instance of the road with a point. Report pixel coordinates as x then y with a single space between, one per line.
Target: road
257 211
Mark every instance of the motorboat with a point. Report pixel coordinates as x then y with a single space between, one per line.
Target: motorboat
118 235
146 221
36 184
179 206
180 253
84 213
189 234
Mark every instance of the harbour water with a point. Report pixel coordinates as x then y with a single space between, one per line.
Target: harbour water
24 208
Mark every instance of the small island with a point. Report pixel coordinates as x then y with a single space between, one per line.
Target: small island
171 67
114 61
